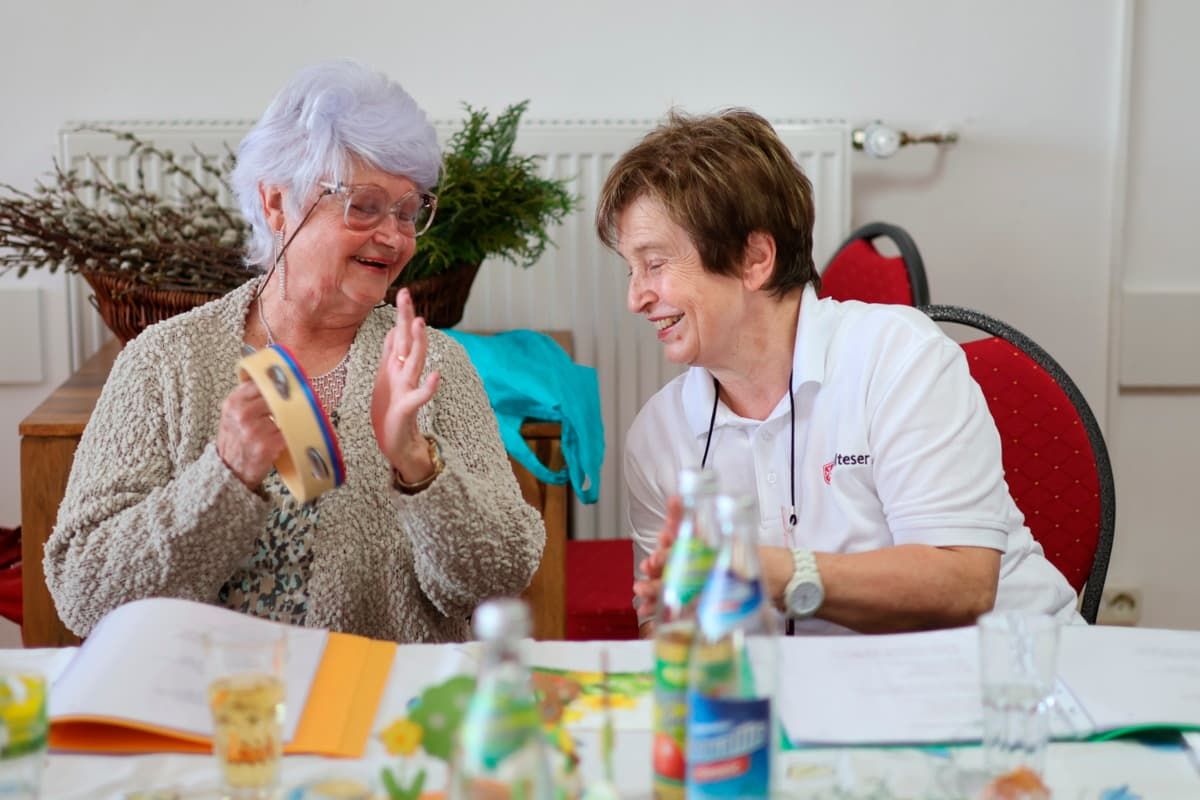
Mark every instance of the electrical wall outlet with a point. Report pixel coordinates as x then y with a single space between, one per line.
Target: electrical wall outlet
1120 605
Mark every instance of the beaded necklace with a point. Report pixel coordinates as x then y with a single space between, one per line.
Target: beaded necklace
328 387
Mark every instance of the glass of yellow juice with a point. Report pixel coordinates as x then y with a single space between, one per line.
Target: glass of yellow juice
245 673
23 731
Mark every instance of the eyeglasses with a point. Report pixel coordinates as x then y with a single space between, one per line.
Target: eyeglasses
367 206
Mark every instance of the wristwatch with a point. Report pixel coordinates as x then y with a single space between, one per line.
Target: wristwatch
435 455
804 592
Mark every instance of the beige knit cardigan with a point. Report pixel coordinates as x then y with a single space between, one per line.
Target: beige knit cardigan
152 511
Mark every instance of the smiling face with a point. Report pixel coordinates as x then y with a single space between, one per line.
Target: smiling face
337 269
695 312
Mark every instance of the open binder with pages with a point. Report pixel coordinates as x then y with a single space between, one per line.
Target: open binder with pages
137 684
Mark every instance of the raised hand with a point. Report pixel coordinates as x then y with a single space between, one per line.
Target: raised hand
400 392
248 441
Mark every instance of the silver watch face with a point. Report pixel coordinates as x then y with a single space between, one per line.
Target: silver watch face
805 599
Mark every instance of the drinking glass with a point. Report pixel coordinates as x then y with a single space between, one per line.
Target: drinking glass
245 676
23 730
1018 655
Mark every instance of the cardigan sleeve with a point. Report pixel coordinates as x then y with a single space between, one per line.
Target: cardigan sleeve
473 534
140 518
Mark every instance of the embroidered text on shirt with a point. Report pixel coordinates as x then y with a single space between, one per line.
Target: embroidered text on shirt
847 460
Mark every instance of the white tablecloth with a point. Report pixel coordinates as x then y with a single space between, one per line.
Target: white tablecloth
1118 770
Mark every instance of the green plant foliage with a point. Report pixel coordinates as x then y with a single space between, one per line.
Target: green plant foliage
189 242
492 203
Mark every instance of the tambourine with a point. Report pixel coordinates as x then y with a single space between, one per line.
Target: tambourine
311 462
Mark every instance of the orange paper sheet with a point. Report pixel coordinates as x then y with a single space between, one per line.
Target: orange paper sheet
336 721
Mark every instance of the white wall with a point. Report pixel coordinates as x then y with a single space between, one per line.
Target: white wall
1017 219
1154 425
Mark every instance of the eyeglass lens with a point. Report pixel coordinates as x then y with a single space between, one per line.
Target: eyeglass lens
367 206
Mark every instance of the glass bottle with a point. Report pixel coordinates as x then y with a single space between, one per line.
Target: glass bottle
683 578
732 728
500 750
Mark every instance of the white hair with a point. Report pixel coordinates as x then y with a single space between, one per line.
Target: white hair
327 116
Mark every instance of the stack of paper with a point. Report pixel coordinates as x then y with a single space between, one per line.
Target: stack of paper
923 688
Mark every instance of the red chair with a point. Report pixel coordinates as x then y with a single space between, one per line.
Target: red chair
858 271
11 604
1055 460
600 590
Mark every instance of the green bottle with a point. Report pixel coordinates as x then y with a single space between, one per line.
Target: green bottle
500 750
684 576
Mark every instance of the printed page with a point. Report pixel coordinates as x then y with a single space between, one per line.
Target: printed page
567 674
420 667
910 688
49 661
894 689
144 664
623 656
1133 677
571 672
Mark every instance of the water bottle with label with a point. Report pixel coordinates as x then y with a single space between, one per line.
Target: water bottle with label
732 729
684 575
500 750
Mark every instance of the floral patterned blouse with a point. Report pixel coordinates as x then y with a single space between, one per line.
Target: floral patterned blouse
272 583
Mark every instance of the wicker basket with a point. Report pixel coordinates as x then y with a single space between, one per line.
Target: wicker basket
128 307
440 299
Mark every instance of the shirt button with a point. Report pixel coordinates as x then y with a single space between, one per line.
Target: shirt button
771 478
767 436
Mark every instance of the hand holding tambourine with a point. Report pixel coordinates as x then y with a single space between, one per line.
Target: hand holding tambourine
274 418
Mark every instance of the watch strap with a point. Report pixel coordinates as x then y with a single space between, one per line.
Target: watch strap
435 456
804 571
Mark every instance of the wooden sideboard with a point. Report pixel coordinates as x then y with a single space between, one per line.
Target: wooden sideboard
51 432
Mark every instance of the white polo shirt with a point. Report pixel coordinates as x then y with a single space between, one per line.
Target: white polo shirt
894 445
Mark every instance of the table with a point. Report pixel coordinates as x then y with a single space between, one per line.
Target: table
50 434
1101 771
1115 770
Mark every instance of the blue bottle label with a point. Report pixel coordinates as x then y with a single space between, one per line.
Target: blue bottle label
728 599
729 747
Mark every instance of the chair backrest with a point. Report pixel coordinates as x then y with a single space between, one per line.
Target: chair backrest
858 271
1055 460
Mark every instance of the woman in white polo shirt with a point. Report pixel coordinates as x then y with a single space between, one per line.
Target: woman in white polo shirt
858 429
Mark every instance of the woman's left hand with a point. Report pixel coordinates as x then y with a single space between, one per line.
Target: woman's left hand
400 392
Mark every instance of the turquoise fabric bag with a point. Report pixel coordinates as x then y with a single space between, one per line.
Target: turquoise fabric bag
528 376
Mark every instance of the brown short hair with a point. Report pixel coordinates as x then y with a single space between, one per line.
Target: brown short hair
720 177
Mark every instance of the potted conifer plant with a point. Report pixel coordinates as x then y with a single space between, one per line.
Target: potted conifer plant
492 203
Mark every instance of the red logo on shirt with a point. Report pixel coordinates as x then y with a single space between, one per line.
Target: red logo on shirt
840 458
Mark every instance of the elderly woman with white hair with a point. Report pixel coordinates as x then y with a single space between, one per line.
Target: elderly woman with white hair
173 493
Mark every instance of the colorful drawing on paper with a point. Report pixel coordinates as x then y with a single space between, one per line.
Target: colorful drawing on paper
576 698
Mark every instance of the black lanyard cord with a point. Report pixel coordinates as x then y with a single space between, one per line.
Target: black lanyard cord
711 421
791 466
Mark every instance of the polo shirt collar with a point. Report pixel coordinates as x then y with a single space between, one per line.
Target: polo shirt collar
814 330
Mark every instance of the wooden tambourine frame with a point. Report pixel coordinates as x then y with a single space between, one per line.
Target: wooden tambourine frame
311 463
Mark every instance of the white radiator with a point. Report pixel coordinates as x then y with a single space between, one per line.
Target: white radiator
577 286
